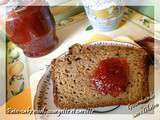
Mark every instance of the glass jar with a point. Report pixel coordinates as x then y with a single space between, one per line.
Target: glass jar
104 15
32 28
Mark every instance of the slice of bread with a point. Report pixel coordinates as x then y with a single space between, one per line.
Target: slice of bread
72 87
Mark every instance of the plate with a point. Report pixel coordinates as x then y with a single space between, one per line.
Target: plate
44 94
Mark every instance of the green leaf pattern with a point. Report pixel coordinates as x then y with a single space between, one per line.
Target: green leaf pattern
18 91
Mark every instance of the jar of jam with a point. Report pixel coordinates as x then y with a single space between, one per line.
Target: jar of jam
32 28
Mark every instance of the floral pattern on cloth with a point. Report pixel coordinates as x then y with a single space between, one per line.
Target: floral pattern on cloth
17 78
139 19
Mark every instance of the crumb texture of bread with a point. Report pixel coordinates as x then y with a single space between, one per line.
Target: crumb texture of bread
72 87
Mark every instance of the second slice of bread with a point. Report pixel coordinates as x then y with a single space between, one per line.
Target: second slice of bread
72 86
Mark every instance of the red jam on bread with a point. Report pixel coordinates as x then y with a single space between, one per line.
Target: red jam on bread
111 76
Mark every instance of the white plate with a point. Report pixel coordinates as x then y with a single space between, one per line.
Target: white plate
44 93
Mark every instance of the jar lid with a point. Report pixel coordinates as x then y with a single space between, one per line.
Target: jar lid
98 4
8 5
6 8
101 4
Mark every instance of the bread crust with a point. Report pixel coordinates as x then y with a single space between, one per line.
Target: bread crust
54 83
145 87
